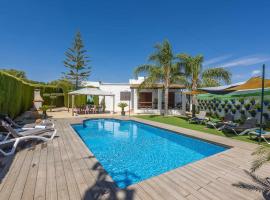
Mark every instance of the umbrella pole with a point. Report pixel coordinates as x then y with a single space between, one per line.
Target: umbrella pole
262 99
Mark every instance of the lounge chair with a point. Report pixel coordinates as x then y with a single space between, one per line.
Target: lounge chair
43 124
17 137
228 120
200 118
241 129
256 132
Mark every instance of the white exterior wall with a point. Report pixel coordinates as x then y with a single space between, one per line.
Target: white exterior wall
114 88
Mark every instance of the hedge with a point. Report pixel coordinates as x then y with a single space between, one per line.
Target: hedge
16 95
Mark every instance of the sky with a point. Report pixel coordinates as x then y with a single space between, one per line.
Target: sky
119 35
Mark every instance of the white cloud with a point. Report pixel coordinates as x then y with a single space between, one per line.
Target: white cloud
246 61
256 72
215 60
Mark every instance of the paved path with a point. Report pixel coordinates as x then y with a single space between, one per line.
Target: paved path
65 169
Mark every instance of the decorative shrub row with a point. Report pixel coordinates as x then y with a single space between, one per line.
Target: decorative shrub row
16 96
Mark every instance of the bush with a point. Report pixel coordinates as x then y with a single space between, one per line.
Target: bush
16 95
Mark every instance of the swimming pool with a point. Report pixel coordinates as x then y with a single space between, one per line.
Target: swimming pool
131 151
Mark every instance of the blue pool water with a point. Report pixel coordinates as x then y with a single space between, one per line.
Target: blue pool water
131 152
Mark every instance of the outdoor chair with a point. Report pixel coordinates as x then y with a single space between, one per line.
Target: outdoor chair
219 125
241 129
200 118
256 132
13 138
42 124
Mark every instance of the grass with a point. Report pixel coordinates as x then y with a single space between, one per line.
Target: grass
182 122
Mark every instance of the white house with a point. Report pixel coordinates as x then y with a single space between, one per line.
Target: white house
148 100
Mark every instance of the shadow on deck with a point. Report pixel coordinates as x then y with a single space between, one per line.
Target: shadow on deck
106 189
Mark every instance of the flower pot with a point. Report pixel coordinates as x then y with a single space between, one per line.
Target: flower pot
123 113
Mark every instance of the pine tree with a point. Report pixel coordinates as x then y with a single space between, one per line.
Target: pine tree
77 62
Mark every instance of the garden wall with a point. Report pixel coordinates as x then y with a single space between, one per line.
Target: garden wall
240 105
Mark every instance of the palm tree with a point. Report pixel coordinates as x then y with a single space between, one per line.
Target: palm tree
263 157
197 77
164 69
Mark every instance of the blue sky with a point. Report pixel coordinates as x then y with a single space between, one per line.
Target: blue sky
119 35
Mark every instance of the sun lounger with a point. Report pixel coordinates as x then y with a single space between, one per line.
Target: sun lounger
264 134
43 124
34 134
200 118
241 129
228 120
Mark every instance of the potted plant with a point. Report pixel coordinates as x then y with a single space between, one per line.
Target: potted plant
238 106
258 107
122 105
252 101
243 112
233 101
247 106
266 102
226 101
223 105
242 100
44 109
233 110
219 109
268 107
253 112
226 110
229 106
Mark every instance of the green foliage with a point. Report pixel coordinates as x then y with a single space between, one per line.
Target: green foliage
122 105
96 100
253 113
252 101
241 100
247 106
238 106
16 73
258 107
164 69
103 104
77 62
16 96
233 110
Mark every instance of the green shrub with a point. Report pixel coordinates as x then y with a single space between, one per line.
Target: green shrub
16 95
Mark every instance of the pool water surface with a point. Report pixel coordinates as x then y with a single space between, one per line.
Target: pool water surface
131 151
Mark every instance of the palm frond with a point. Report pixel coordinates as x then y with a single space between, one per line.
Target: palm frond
263 157
143 69
218 74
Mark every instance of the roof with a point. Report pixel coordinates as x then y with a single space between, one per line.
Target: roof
159 85
91 91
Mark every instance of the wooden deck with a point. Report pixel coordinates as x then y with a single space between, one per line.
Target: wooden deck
65 169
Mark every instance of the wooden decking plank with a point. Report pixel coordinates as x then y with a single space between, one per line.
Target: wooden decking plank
61 183
51 187
72 186
40 190
22 177
75 164
29 189
11 180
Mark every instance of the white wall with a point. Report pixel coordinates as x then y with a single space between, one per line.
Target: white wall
114 88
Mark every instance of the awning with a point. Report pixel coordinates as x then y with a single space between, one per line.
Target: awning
251 84
91 91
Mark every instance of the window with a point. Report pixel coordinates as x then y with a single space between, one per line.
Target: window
145 100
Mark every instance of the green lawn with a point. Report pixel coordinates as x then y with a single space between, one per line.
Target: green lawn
182 122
